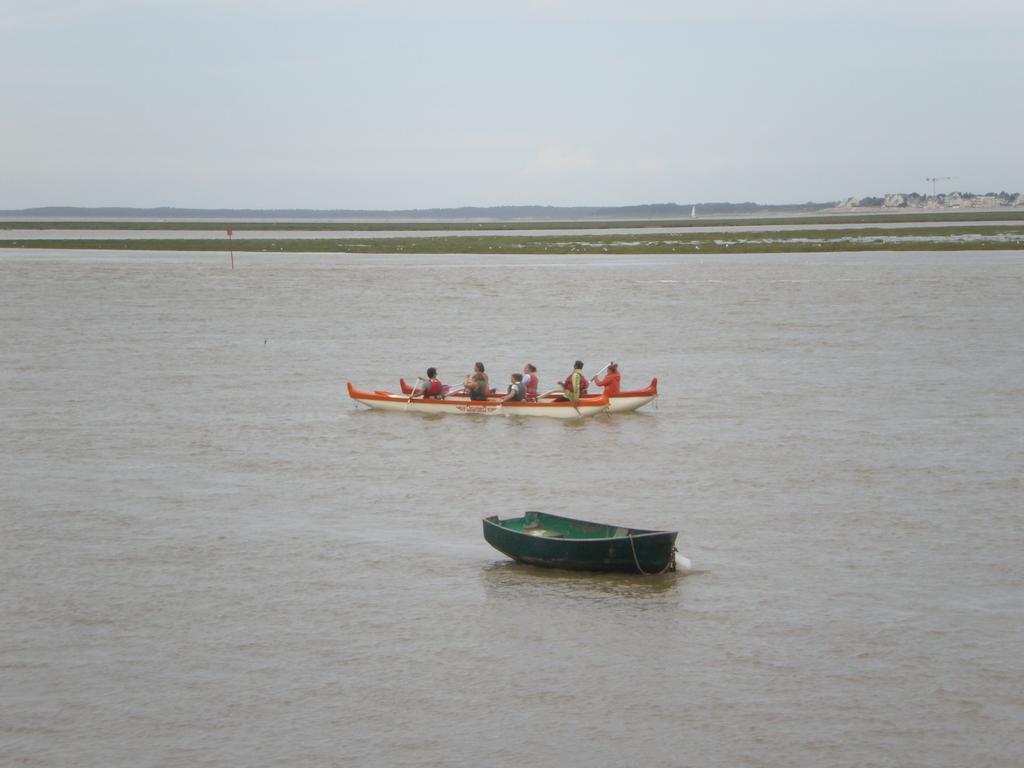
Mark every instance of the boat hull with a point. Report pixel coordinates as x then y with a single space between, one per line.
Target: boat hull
632 399
387 401
627 403
551 541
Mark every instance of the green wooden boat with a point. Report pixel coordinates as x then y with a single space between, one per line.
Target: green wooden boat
562 542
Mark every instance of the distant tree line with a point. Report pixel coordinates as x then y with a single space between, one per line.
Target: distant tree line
501 212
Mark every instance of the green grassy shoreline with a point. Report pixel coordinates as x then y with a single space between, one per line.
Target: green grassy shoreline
1001 237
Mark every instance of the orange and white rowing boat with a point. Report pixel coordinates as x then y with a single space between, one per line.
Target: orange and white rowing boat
625 401
460 403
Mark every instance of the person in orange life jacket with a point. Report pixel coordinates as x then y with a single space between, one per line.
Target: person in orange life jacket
612 381
516 390
576 385
432 387
530 381
477 384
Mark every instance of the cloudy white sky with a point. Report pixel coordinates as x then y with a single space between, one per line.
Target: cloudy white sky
402 104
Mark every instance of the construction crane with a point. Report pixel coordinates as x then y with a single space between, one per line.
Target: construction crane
936 179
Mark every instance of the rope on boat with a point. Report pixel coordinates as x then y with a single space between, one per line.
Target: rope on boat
670 565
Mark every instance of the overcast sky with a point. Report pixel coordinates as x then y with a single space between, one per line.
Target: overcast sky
417 104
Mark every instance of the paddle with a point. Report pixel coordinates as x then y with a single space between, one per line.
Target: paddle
564 393
592 378
599 372
451 392
572 397
412 392
520 389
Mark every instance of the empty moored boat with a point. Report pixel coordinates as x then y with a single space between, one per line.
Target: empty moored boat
562 542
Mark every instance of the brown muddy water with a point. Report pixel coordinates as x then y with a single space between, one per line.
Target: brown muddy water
209 557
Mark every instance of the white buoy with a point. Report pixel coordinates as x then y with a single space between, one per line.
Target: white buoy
683 564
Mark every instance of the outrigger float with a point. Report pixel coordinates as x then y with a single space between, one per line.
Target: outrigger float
461 404
625 401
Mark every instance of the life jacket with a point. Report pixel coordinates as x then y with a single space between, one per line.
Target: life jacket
576 385
517 390
433 388
530 382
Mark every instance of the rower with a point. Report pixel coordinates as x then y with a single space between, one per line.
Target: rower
576 385
516 390
530 381
432 387
612 382
477 384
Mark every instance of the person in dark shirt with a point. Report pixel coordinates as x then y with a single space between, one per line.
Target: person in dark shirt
516 390
477 384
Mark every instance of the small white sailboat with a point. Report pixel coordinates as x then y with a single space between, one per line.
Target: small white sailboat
693 212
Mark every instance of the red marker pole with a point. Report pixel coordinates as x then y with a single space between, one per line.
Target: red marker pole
232 246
